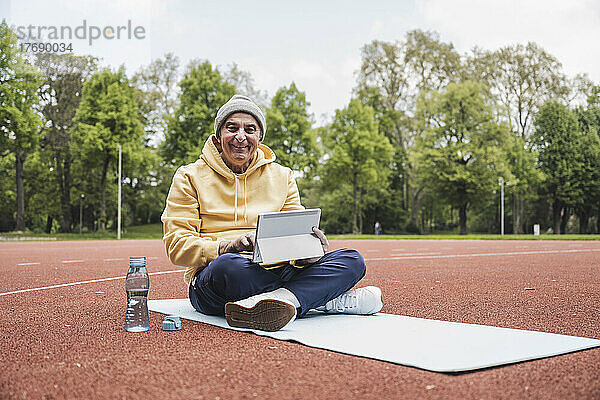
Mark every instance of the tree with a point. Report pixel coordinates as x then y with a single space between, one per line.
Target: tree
203 92
142 177
244 84
396 126
384 83
433 63
521 78
60 95
19 122
588 175
157 84
390 79
556 138
593 100
107 116
461 152
145 173
289 130
521 161
337 215
42 201
7 193
359 156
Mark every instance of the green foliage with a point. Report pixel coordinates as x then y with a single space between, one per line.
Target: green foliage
420 144
391 77
522 187
462 149
8 196
358 156
42 202
203 92
144 186
19 122
593 99
107 116
335 204
147 175
19 81
556 139
433 63
156 84
521 161
289 130
568 157
395 125
60 96
140 232
588 176
520 78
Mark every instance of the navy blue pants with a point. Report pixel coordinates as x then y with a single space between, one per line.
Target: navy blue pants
232 277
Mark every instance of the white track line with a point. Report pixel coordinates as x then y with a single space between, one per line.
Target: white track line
72 261
114 259
32 263
414 254
516 253
83 282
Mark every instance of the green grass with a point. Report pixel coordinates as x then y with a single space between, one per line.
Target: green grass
474 236
150 231
154 231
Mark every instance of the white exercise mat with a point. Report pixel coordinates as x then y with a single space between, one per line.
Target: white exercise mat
432 345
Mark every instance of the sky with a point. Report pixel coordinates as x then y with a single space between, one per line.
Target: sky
316 44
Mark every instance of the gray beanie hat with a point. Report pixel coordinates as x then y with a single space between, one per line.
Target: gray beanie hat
239 103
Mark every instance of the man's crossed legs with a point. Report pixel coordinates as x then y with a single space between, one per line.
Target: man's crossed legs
253 297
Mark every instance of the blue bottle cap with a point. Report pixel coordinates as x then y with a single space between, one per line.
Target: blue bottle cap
171 323
137 261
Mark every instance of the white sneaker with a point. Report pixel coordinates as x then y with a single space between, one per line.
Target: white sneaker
265 312
363 301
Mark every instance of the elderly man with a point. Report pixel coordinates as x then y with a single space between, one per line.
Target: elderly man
210 218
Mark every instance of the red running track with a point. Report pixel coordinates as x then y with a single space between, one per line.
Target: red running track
67 341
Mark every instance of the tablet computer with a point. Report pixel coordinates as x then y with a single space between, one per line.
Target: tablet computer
287 235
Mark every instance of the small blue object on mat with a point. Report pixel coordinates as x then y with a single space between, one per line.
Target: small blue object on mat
171 323
439 346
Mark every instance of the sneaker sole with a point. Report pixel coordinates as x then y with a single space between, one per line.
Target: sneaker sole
267 315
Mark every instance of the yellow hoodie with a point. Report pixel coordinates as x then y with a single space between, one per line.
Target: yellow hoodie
207 204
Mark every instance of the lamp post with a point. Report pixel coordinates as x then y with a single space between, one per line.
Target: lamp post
81 212
119 201
501 182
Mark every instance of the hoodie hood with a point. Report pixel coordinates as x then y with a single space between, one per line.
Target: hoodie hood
212 157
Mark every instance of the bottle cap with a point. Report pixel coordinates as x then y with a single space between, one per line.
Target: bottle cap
137 261
171 323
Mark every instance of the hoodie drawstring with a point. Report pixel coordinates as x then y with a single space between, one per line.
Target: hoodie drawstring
235 204
245 201
235 201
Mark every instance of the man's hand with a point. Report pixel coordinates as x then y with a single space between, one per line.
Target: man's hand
324 243
242 243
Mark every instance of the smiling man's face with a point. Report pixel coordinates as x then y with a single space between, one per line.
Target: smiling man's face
239 138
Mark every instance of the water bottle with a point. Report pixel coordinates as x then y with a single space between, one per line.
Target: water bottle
137 284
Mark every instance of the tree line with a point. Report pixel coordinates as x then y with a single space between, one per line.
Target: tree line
420 146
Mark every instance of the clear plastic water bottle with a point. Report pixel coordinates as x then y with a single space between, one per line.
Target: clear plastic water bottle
137 285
